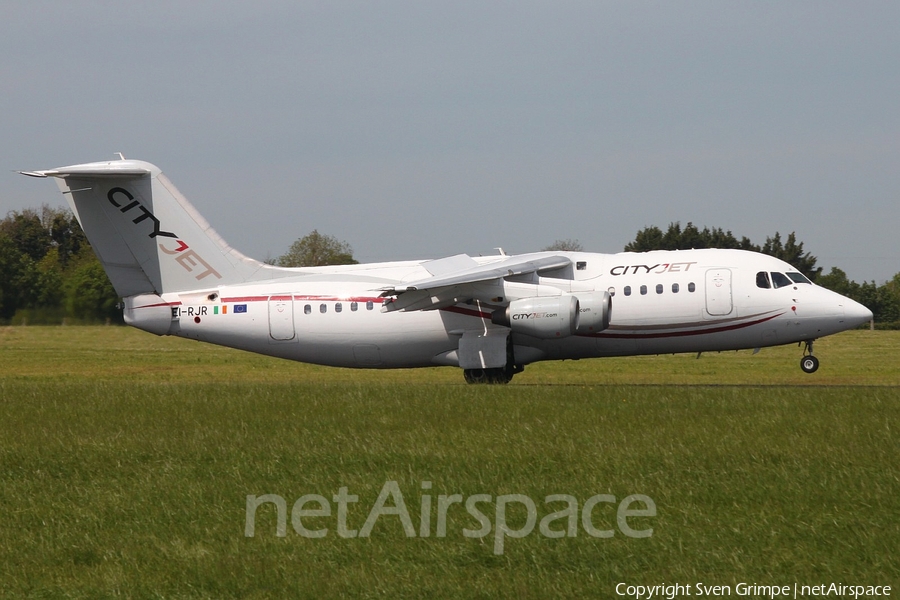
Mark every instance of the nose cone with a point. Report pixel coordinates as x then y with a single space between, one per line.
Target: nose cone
836 313
855 314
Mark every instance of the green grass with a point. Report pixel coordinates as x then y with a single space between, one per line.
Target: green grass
126 459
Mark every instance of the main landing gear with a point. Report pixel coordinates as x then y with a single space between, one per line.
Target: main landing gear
487 375
496 375
809 363
500 375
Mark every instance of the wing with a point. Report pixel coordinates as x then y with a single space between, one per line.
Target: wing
460 278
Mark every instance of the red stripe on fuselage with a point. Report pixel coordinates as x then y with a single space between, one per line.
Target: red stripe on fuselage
283 297
471 312
667 334
159 304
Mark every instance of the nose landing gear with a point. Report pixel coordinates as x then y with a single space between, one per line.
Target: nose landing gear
809 363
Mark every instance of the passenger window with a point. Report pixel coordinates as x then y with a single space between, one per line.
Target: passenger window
323 308
627 290
762 280
780 280
612 291
338 307
353 306
691 287
307 309
675 288
580 265
643 290
659 288
370 305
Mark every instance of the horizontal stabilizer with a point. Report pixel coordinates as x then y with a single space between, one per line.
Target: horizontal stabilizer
116 168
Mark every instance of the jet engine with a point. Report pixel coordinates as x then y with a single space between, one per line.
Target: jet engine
556 316
594 312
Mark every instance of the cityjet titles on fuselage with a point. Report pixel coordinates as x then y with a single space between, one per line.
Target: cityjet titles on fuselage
678 267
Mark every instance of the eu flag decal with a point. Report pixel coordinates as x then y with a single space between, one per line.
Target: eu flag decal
240 308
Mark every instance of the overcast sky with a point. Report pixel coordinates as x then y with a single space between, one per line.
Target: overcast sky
423 129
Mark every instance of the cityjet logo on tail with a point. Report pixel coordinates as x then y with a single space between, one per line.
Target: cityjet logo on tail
184 256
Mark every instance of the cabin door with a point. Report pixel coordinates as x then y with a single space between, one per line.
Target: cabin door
718 292
281 317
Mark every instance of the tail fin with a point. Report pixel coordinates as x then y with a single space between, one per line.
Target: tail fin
145 233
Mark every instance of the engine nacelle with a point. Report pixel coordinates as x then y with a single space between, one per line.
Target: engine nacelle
557 316
547 318
594 312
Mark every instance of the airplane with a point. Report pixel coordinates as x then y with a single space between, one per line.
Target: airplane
487 315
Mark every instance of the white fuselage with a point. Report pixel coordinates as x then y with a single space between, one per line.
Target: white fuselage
487 315
662 302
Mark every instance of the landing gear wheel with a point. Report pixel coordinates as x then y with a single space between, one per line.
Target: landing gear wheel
475 375
809 364
501 375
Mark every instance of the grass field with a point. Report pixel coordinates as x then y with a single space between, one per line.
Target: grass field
126 461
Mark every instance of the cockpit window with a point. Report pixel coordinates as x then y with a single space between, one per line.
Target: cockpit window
780 280
762 280
798 277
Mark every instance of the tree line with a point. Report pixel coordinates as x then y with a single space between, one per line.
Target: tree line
676 238
49 274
